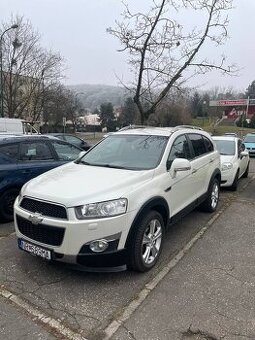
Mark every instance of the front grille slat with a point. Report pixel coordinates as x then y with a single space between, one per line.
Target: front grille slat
44 208
41 233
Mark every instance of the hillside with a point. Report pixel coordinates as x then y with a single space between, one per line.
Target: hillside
92 96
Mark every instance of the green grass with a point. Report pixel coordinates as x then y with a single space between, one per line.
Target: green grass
91 137
207 125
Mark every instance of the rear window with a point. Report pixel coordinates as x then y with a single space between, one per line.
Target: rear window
66 152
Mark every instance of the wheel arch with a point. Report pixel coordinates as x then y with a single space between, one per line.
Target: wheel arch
7 215
216 174
10 187
158 204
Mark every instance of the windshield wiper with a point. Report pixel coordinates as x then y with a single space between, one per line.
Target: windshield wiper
107 165
84 162
112 166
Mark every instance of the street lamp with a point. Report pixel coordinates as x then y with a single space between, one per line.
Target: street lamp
1 67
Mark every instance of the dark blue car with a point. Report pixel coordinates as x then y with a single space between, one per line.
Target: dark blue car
25 157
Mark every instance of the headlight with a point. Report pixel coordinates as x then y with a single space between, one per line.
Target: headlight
226 166
101 209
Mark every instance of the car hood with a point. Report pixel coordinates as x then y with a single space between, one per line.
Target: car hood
227 158
76 184
249 145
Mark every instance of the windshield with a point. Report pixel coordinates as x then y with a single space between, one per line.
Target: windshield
249 139
225 147
133 152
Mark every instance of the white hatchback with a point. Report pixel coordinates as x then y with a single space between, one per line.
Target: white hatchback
111 207
234 160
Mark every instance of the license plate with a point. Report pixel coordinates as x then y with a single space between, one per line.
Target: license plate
34 250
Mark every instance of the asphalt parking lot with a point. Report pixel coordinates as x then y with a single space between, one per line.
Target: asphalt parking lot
40 300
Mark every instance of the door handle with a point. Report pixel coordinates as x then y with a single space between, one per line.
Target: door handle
211 160
194 171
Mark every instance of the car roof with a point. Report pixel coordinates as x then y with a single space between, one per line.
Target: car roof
157 131
54 134
250 134
18 138
231 138
58 134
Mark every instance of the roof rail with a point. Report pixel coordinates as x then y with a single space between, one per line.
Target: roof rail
179 127
132 126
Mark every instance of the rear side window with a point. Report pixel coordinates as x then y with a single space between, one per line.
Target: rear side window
8 153
37 151
198 144
208 144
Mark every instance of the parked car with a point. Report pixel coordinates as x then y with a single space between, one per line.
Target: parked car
80 143
249 142
234 160
110 208
25 157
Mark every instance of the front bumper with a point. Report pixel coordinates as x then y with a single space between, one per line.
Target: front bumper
251 151
73 248
227 177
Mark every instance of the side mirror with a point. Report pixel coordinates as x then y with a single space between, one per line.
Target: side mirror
244 153
180 165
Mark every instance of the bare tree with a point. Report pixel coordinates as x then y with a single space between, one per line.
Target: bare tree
164 53
28 70
59 103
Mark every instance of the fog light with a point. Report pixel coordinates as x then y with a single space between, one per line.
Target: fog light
98 246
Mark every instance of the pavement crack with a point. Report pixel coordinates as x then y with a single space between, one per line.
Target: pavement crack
67 316
247 201
242 335
195 333
229 274
227 317
130 334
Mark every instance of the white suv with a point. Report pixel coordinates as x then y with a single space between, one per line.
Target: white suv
111 207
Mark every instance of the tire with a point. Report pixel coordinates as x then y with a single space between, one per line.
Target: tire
211 202
6 204
146 242
245 175
234 185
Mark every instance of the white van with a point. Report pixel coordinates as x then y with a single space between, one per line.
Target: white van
17 126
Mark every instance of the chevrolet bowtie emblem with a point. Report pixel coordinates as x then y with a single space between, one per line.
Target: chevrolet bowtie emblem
35 218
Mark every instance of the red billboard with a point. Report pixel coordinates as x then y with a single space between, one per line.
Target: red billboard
236 102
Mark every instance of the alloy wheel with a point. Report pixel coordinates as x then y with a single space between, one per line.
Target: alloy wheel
151 243
215 195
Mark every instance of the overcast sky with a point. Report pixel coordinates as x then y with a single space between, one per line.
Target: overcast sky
77 29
